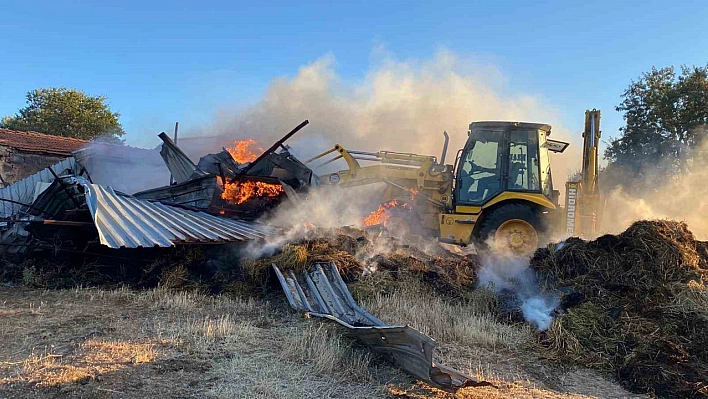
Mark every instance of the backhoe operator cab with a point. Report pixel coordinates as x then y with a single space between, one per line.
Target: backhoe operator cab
503 186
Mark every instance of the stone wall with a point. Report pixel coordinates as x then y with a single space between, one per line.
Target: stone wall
16 165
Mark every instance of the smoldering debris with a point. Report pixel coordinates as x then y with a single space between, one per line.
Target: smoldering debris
516 285
636 306
371 263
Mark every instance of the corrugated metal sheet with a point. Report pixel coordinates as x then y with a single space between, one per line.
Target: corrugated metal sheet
321 292
196 193
24 190
125 221
179 164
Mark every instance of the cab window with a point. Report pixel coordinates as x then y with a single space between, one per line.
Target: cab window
524 165
480 168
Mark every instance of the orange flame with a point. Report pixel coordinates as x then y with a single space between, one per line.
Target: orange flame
414 193
241 192
381 215
245 150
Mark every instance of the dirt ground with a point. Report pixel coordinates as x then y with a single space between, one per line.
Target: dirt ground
90 343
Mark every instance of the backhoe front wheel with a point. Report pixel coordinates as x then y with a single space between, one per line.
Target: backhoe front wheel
514 229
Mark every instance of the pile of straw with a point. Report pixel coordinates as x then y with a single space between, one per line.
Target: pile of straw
644 317
370 263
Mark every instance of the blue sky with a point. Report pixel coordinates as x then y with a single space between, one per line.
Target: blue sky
159 62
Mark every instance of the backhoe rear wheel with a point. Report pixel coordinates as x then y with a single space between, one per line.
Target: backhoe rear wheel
514 229
403 222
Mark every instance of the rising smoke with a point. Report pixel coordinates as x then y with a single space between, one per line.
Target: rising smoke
398 105
126 169
323 208
683 196
512 279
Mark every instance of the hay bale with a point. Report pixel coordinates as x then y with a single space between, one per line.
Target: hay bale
645 315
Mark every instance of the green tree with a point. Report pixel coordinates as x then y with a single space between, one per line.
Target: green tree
666 116
66 112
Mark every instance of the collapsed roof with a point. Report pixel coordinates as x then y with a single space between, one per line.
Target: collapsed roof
193 210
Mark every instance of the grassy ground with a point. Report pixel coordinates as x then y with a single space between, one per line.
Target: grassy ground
156 343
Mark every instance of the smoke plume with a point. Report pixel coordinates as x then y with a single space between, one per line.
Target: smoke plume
330 207
398 106
516 285
126 169
683 196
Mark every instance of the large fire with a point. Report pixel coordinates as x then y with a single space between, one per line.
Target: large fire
381 215
240 192
245 150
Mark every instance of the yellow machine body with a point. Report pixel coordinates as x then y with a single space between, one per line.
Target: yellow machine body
502 163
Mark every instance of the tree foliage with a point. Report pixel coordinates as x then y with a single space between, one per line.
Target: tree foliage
666 116
66 112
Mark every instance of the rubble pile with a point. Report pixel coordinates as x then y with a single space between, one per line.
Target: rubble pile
636 306
372 263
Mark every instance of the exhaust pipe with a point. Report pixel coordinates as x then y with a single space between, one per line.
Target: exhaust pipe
444 150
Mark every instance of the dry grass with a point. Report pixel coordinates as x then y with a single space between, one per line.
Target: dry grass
170 344
299 257
91 359
327 352
464 322
174 277
305 360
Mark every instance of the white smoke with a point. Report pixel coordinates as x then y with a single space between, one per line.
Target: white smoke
398 106
328 207
124 168
683 196
511 275
538 309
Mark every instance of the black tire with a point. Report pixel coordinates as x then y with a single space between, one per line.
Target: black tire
411 218
496 217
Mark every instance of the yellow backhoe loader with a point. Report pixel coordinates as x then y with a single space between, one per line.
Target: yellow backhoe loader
500 186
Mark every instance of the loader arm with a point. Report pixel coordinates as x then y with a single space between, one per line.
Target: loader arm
412 171
418 180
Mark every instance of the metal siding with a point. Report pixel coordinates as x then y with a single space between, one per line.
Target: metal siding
179 164
24 190
324 294
127 222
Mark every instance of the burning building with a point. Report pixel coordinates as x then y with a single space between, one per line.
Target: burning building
243 180
196 208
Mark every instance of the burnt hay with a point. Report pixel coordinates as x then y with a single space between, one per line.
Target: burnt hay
644 318
370 263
